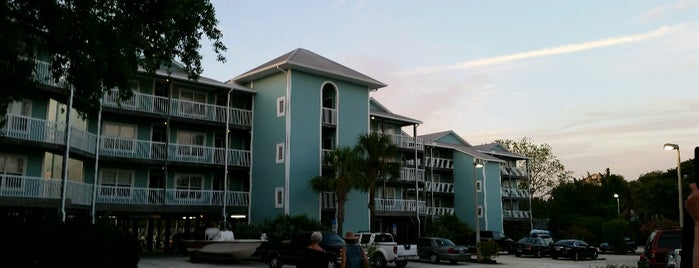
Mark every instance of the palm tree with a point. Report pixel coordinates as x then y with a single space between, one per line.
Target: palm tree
379 155
348 175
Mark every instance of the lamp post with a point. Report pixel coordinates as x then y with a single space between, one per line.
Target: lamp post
617 204
476 164
432 178
670 147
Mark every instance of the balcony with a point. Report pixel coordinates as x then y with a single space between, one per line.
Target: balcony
81 193
146 103
437 162
515 193
43 75
515 215
406 142
32 129
399 205
439 211
410 175
185 153
439 187
513 171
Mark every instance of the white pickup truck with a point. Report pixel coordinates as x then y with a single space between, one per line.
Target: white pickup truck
382 249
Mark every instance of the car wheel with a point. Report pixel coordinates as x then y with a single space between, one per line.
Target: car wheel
453 262
554 256
401 264
594 255
274 262
538 253
379 260
434 259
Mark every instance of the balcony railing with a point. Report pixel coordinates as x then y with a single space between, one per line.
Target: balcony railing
399 205
515 193
43 75
439 211
32 129
406 142
439 187
513 171
409 175
515 214
437 162
146 103
329 116
81 193
82 140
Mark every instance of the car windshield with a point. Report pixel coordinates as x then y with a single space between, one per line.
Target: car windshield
581 243
444 243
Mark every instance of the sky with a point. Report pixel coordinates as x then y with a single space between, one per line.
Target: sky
604 83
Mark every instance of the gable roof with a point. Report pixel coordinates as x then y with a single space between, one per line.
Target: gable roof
376 109
176 71
307 61
434 137
498 150
465 147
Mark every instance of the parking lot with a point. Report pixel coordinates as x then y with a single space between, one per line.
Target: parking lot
504 261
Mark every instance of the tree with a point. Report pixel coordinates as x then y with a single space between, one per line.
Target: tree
99 45
347 163
544 169
379 154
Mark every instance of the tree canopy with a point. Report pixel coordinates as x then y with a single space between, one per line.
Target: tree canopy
545 170
99 45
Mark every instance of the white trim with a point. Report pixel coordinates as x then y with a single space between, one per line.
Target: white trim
480 211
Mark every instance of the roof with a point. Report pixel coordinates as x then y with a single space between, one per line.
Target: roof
307 61
499 150
176 71
382 111
433 140
433 137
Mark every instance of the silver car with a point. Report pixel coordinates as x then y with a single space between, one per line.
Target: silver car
436 249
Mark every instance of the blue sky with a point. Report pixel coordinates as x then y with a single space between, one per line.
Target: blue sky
605 83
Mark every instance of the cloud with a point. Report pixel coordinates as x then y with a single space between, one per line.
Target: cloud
668 10
551 51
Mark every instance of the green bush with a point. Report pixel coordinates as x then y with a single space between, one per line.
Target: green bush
488 250
450 227
284 226
614 232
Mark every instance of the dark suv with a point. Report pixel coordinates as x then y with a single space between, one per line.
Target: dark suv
659 243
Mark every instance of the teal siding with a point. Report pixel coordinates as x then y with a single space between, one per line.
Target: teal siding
463 182
268 130
493 197
451 140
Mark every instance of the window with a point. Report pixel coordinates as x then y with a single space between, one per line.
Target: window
281 106
279 155
21 111
190 143
11 171
120 137
438 202
389 192
188 186
480 211
279 197
116 183
479 187
194 103
436 178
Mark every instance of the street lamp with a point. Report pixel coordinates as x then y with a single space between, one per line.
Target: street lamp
477 163
670 147
617 204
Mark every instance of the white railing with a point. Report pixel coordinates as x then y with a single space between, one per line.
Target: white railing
43 75
207 155
406 142
409 175
515 192
329 116
399 205
31 187
82 140
437 162
139 102
150 196
328 200
32 129
440 187
516 214
79 192
439 211
513 171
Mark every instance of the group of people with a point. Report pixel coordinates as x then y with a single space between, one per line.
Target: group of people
352 254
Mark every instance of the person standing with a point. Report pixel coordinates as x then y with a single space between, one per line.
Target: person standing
314 255
352 254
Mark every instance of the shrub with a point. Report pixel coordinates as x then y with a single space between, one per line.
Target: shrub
614 232
488 249
284 226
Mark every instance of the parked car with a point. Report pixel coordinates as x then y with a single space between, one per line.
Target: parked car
543 234
386 250
630 246
660 242
532 246
291 251
574 249
436 249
